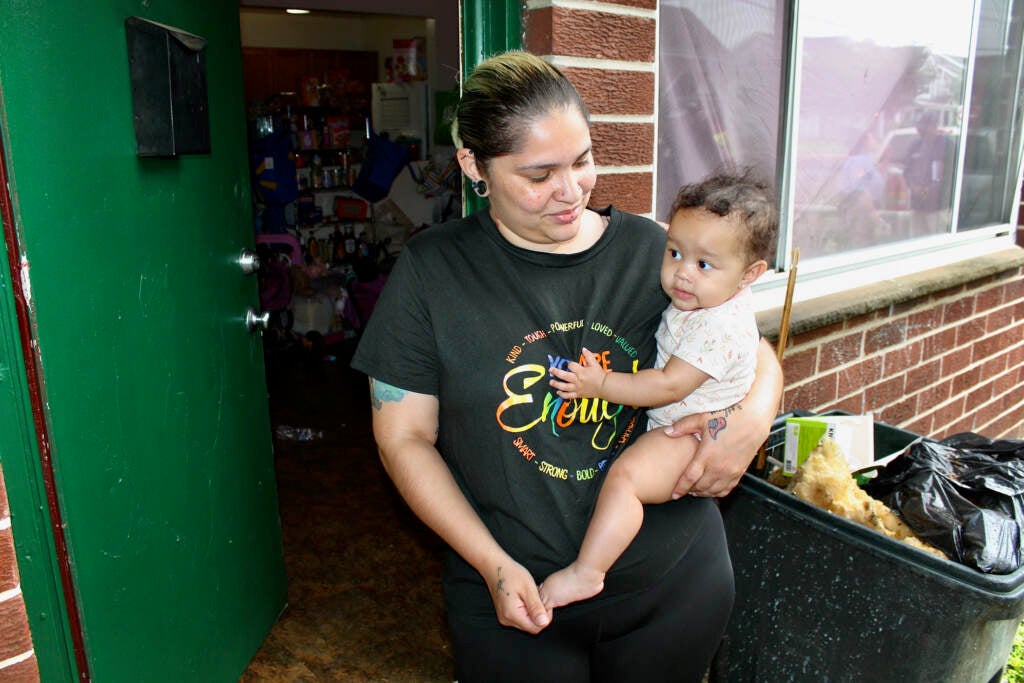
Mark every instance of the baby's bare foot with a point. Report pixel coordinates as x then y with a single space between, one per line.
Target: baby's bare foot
571 584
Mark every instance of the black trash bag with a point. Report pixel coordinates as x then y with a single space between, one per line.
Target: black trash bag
964 495
1001 449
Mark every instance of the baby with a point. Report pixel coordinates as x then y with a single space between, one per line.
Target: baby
721 233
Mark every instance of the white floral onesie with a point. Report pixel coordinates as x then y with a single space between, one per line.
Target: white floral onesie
720 341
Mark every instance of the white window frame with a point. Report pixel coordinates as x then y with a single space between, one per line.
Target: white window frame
826 275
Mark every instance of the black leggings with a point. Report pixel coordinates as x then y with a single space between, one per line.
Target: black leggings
668 632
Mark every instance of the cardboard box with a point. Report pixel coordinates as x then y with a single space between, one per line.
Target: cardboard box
853 433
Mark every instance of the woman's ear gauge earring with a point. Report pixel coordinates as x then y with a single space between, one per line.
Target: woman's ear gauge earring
480 188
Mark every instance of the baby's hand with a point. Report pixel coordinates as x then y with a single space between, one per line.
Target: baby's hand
579 381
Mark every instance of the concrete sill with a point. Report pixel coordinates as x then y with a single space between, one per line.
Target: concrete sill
813 314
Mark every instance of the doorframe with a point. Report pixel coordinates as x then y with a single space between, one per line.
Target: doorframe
40 549
488 27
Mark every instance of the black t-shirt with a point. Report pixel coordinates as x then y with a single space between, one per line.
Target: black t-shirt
477 322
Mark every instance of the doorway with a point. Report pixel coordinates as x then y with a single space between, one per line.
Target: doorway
363 574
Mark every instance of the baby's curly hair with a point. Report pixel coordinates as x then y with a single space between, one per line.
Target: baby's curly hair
743 196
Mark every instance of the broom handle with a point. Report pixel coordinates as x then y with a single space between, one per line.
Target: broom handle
787 306
780 348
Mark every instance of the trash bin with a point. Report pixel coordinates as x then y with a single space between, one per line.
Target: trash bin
821 598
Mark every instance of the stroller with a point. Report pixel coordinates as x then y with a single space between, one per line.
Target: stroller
277 253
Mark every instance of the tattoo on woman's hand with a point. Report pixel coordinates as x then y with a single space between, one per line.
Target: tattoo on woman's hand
717 424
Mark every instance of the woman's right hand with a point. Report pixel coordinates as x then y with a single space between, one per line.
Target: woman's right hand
516 598
731 438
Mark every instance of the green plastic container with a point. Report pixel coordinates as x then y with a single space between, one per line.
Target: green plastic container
821 598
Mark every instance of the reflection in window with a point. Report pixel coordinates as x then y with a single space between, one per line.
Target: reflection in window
883 93
719 89
879 121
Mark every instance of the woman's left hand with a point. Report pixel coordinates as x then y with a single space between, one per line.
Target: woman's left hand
730 438
728 443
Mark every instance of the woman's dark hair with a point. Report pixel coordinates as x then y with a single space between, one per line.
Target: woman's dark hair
743 197
502 96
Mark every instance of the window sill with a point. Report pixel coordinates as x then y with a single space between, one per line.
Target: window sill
812 314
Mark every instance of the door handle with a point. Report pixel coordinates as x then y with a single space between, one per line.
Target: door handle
256 321
248 261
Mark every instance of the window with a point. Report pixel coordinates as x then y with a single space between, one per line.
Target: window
889 125
719 89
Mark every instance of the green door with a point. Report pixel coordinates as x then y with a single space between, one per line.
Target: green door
153 393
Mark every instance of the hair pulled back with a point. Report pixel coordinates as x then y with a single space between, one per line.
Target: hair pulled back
501 98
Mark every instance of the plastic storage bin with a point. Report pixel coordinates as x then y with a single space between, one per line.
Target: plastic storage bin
821 598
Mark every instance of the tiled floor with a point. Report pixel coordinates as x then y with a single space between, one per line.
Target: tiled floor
364 597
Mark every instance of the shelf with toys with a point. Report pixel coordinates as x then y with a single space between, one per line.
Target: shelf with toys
337 245
328 205
325 169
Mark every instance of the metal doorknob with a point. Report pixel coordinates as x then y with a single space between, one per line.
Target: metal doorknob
256 321
249 261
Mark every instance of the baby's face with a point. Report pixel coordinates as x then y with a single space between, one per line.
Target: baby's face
704 263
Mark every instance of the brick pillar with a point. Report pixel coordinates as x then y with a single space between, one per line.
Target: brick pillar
609 54
17 658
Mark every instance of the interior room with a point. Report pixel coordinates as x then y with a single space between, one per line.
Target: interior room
364 598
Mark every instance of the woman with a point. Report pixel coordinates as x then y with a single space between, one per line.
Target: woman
484 451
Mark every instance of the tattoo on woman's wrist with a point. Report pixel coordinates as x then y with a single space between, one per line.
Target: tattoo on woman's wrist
726 412
499 587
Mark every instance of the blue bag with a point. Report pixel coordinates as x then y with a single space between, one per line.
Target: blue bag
382 163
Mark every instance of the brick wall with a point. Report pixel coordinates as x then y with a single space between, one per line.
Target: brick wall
17 658
608 52
948 362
